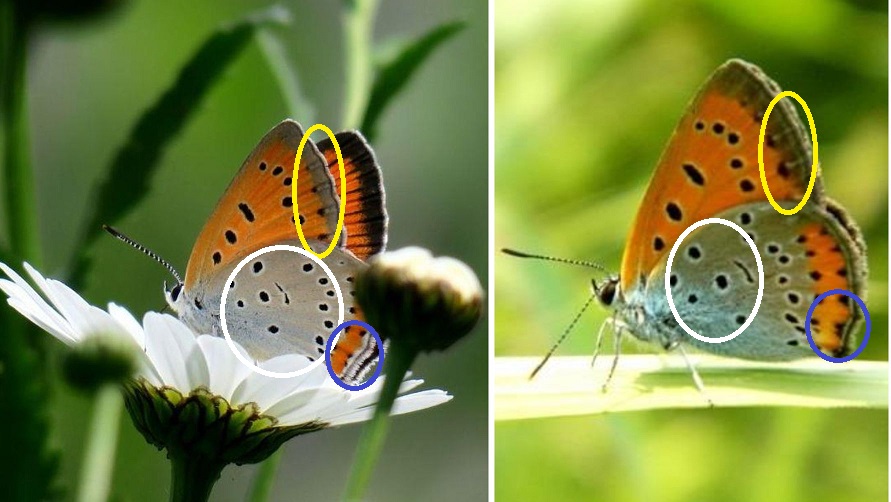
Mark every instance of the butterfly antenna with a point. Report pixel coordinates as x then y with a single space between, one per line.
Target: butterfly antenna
148 252
563 336
582 263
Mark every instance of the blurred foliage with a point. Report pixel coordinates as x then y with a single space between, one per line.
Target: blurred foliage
23 383
587 94
221 102
393 75
131 169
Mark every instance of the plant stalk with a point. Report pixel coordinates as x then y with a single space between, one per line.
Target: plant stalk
20 207
96 472
192 478
265 477
358 26
397 363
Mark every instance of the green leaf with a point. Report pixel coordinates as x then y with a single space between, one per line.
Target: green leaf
569 386
130 172
393 76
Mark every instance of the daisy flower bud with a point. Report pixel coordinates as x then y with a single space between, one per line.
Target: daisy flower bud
419 303
100 360
415 299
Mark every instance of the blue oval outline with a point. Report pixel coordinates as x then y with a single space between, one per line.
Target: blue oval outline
810 313
380 355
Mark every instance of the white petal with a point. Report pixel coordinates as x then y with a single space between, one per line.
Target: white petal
196 367
128 322
72 311
150 372
404 404
85 318
358 399
323 406
226 372
27 295
168 344
266 391
33 314
366 397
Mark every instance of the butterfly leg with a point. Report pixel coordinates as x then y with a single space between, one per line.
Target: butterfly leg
599 343
617 332
696 378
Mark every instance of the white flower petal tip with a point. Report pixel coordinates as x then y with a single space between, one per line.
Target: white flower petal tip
60 311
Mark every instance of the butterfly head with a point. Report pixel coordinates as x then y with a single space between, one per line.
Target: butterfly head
606 291
174 296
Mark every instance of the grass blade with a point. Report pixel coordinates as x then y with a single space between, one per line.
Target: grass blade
569 386
393 75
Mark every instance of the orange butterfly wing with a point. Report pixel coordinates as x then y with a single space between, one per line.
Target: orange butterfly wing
355 349
711 164
365 223
365 218
255 211
829 267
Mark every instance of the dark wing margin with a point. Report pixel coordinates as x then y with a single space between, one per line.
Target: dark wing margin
365 218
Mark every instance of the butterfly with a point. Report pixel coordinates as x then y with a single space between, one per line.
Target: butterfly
282 302
710 169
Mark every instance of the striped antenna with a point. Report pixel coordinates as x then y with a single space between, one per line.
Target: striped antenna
563 336
582 263
148 252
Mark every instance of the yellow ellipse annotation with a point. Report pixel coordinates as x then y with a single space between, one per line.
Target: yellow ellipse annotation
323 128
810 184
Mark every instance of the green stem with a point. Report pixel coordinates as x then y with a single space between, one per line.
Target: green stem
18 182
397 363
192 477
358 25
95 480
265 477
29 473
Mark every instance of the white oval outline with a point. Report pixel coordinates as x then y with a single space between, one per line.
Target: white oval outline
671 254
241 264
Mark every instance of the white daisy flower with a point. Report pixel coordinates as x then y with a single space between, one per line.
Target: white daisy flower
191 395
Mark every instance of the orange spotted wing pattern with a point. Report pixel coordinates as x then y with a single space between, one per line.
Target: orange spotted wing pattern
834 252
256 209
711 165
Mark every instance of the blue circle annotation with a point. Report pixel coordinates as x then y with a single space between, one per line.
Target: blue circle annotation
810 337
380 355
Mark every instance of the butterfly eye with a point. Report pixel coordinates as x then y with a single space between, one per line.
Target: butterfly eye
174 293
607 293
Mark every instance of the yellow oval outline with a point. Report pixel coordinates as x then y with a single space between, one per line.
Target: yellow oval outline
813 178
323 128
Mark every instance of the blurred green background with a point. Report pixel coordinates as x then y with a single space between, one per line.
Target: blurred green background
587 93
89 83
